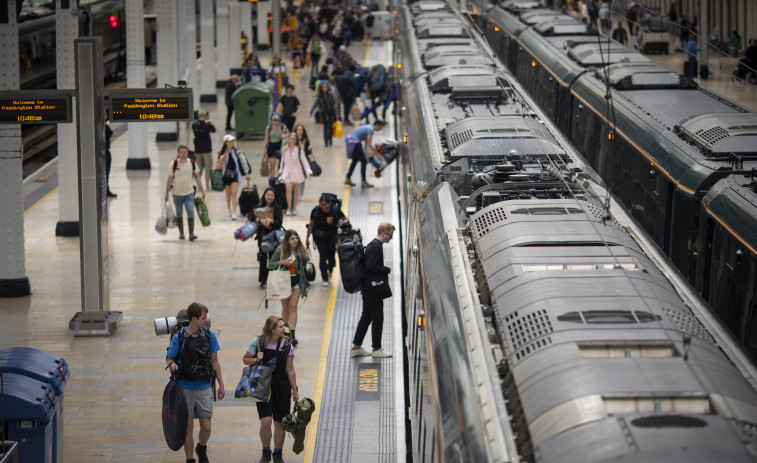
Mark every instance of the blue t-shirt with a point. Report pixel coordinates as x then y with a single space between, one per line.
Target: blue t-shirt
173 352
362 132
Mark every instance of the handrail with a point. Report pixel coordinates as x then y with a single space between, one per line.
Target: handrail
12 451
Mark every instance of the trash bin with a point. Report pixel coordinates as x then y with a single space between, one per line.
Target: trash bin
48 369
30 408
383 25
252 105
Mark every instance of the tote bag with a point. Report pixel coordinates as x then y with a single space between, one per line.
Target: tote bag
279 285
216 180
255 383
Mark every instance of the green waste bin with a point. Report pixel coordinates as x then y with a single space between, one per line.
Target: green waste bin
252 106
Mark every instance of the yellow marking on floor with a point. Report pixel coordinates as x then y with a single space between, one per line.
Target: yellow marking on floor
324 356
44 177
40 200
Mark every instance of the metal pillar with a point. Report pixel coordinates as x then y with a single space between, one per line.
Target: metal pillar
262 38
167 59
207 76
222 43
135 78
245 16
66 31
235 30
13 279
95 319
704 35
276 9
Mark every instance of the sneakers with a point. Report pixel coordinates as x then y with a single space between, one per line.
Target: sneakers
380 354
266 458
263 285
192 237
359 353
278 457
348 181
365 184
233 216
293 212
202 453
324 283
228 212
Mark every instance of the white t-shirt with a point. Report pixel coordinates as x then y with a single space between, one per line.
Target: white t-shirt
182 179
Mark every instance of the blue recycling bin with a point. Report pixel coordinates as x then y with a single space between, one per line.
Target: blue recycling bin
30 408
49 370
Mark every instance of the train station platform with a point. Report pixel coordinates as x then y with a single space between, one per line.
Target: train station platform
113 399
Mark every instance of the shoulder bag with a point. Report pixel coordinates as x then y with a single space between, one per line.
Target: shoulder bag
279 285
216 180
264 170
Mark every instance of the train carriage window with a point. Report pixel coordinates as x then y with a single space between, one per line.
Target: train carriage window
751 340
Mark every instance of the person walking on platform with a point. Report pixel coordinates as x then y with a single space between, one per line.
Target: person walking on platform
315 48
234 166
325 102
289 107
374 290
345 84
108 158
273 220
293 163
277 72
181 171
274 345
274 134
202 129
307 147
324 221
292 255
231 87
355 140
193 353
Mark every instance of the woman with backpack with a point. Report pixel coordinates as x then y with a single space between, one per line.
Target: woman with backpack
234 166
315 48
262 350
326 104
274 134
293 162
273 220
291 255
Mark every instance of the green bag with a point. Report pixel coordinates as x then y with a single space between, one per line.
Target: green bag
216 180
202 211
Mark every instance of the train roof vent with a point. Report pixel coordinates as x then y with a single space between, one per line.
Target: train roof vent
638 76
527 333
548 210
519 5
437 21
588 54
497 136
608 317
446 78
721 134
669 421
439 57
430 6
561 27
686 323
541 15
436 30
486 221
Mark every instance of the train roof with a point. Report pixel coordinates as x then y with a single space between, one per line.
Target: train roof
540 15
561 26
643 75
465 76
721 135
445 55
733 200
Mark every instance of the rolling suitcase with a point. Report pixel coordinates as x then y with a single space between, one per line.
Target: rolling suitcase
248 199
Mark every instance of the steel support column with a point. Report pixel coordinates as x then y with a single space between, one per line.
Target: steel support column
207 73
165 12
135 78
66 31
235 29
246 18
222 43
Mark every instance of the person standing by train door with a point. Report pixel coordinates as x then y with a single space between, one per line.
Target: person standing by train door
375 289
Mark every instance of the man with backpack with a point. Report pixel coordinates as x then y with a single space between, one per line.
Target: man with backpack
193 355
377 84
375 289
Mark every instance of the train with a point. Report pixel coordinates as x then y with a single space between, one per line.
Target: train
542 322
665 146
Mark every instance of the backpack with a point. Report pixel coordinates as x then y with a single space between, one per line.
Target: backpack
316 47
351 259
369 20
336 203
194 356
176 164
378 77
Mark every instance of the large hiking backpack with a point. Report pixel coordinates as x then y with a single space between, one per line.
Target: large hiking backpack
351 259
378 77
194 356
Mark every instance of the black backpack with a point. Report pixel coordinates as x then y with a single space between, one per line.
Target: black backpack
194 356
351 259
336 203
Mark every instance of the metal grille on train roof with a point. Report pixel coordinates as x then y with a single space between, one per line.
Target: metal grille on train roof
598 317
669 421
721 134
688 324
528 333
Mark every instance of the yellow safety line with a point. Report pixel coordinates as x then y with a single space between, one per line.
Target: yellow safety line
324 356
40 200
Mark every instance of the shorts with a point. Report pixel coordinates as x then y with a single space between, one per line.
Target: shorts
274 150
199 403
279 406
204 162
227 181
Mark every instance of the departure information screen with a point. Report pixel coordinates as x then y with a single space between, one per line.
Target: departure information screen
151 105
35 107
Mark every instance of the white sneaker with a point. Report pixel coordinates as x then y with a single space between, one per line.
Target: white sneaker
294 211
324 283
381 354
233 217
359 352
228 212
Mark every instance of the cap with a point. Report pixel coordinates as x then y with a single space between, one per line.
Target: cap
228 137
